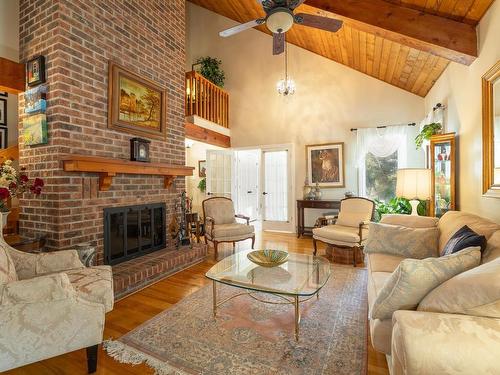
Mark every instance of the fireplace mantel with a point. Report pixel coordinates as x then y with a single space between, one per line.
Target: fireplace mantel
107 168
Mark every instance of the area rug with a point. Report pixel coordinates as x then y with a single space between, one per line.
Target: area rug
250 337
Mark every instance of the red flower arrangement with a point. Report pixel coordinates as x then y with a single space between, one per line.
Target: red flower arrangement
14 184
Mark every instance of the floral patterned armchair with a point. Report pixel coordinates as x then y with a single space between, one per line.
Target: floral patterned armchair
50 304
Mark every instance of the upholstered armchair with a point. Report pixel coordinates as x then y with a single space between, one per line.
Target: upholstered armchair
221 224
50 304
350 229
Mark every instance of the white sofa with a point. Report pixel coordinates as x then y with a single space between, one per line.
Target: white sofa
418 342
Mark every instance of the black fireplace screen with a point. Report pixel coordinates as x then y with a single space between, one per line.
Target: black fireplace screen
133 231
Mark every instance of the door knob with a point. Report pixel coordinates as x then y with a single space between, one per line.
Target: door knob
264 193
249 192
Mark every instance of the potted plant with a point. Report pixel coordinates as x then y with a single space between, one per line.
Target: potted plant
14 184
397 206
202 185
210 68
427 132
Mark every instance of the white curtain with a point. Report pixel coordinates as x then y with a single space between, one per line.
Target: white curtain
381 142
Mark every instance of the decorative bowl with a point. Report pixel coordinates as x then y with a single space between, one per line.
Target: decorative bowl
268 258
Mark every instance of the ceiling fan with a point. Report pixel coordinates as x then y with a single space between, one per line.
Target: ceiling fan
280 18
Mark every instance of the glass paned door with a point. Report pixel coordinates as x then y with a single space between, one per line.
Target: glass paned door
276 188
246 183
219 173
443 174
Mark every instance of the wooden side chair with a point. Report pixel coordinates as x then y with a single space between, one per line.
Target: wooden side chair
350 229
221 224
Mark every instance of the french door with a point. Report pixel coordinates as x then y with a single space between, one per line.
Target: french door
219 173
246 183
276 187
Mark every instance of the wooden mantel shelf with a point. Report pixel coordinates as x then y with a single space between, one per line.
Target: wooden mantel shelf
108 168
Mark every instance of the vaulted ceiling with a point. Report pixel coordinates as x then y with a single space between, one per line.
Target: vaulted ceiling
407 43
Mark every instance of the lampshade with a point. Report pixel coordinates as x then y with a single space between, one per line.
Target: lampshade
414 183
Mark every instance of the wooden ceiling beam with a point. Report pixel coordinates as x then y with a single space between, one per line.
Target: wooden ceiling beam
453 40
11 76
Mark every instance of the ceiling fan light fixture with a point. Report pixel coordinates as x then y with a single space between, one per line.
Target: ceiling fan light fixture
280 20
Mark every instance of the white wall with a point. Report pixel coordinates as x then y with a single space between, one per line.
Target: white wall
459 87
9 49
196 152
330 97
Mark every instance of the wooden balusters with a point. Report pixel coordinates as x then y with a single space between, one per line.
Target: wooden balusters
206 100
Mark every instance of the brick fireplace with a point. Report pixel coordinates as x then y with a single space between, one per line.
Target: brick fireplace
78 38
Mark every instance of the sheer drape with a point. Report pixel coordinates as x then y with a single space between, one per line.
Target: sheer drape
381 142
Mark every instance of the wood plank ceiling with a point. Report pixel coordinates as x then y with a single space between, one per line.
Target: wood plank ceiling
408 68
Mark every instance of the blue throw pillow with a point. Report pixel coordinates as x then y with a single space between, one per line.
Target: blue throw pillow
462 239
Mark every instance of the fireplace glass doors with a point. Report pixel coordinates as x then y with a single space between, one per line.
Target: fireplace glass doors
133 231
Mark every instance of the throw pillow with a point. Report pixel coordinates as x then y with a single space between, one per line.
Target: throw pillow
474 292
418 243
462 239
414 279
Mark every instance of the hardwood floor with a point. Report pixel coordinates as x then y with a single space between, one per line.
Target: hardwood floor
143 305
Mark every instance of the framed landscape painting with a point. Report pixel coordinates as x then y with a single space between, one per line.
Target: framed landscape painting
325 164
136 105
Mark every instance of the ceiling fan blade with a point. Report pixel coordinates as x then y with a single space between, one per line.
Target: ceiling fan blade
292 4
278 43
244 26
319 22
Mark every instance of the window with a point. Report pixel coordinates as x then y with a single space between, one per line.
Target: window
381 176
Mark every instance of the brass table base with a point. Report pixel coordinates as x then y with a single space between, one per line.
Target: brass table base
295 300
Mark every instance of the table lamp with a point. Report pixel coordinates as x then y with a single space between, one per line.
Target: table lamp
414 184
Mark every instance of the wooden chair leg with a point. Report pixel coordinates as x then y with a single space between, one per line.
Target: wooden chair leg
234 245
253 241
315 246
215 247
92 359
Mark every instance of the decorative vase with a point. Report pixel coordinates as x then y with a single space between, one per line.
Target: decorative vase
4 216
306 190
317 192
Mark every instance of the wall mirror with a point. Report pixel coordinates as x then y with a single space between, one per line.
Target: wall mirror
491 131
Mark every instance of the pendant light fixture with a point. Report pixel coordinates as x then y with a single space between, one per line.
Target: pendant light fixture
286 86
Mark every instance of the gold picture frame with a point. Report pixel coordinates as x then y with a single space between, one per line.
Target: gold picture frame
136 105
325 164
491 188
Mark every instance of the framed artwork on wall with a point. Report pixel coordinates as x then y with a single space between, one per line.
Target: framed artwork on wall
325 165
35 71
136 105
4 140
202 168
3 112
35 130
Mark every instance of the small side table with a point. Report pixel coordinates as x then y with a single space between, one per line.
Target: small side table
194 226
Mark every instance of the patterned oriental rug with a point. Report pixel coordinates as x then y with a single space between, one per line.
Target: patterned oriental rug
251 337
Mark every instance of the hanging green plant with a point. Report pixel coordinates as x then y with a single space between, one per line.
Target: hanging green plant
202 185
210 68
427 132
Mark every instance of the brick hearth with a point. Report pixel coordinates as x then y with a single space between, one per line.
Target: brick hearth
135 274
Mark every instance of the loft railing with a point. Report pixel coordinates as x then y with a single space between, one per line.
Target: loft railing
206 100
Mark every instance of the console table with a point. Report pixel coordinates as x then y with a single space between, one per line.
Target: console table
303 204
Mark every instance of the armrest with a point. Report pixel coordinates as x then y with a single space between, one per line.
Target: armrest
47 288
239 216
209 225
31 265
362 225
435 343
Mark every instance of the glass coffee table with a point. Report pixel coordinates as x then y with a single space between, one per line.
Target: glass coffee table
295 281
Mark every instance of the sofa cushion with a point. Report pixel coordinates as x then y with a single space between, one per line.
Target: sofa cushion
410 221
7 267
416 243
232 230
474 292
381 335
413 279
94 284
462 239
378 262
492 250
452 221
376 282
